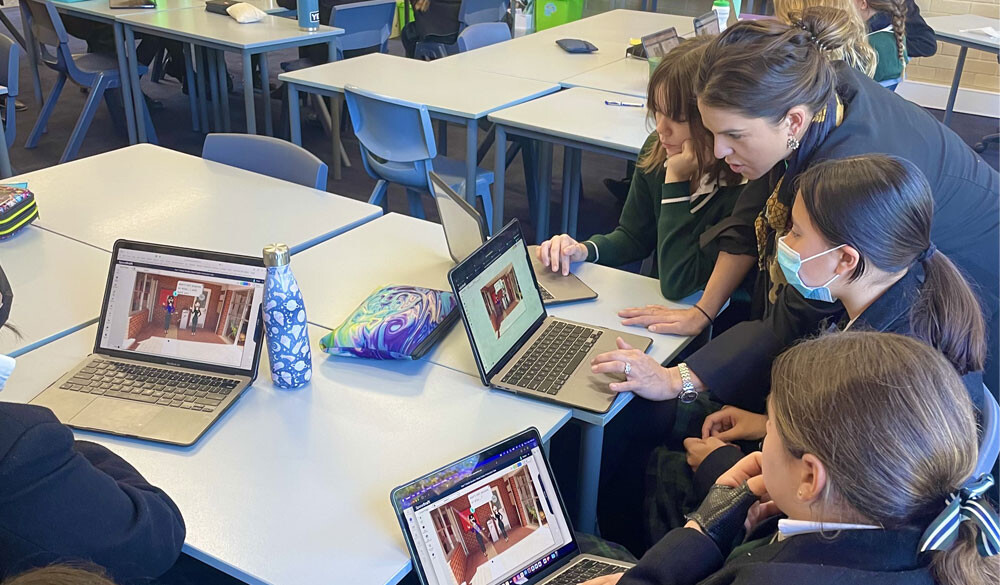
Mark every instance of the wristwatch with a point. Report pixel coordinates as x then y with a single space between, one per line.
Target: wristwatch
688 393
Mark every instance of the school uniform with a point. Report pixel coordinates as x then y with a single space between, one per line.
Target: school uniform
68 501
966 227
889 65
920 40
670 220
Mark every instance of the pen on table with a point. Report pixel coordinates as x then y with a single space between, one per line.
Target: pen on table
623 104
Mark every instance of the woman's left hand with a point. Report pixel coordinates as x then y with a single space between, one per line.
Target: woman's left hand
605 580
682 166
643 375
698 449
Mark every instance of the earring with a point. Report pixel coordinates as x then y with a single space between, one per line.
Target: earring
800 494
792 143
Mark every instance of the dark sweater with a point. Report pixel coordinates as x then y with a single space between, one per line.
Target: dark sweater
920 41
64 500
665 218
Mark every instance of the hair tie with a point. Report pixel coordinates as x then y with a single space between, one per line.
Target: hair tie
966 504
926 254
812 36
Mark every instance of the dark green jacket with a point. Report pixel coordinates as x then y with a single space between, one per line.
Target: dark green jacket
663 218
889 66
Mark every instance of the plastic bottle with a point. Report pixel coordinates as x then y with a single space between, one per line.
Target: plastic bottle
721 10
285 322
308 12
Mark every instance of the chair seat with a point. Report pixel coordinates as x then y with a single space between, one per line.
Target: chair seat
452 171
298 64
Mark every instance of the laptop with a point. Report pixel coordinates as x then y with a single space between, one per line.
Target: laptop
707 24
660 43
465 231
517 346
178 341
123 4
502 500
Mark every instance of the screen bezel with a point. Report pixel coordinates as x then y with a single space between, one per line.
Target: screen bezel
494 242
701 22
659 37
529 433
164 361
438 183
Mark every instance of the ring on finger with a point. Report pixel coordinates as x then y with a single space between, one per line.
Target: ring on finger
628 368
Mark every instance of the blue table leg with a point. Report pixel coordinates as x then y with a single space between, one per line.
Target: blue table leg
336 146
5 170
133 71
32 49
200 81
442 136
499 175
248 94
192 93
125 80
566 188
575 190
591 445
294 123
265 85
223 90
544 190
950 108
213 82
471 154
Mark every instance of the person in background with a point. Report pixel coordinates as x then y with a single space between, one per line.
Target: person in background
867 463
498 516
433 21
61 575
920 39
168 313
890 41
856 51
195 313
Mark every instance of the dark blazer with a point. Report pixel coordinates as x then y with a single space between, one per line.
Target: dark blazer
966 227
920 40
65 500
873 557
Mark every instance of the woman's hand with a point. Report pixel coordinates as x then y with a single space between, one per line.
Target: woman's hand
698 449
683 166
645 376
558 252
605 580
734 424
660 319
746 470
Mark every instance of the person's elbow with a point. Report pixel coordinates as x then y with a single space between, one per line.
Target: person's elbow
154 544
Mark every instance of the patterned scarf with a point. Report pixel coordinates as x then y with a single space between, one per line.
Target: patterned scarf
774 220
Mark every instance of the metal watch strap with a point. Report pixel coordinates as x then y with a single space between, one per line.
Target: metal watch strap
688 392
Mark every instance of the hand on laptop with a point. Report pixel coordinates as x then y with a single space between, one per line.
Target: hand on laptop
643 375
660 319
605 580
560 251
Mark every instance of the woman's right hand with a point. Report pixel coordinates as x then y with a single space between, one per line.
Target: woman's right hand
560 251
734 424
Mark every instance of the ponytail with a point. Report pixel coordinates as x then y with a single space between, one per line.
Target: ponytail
856 52
896 9
948 316
962 564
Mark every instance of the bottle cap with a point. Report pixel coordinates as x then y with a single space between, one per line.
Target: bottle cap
721 3
276 255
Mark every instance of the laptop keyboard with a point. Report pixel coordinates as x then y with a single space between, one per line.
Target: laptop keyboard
585 570
151 385
553 357
546 295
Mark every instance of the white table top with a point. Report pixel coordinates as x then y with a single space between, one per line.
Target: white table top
58 284
101 9
622 25
580 114
627 76
459 92
950 27
198 24
292 487
398 249
149 193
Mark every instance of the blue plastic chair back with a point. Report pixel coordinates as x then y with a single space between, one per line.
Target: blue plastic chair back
48 31
268 156
989 446
482 35
396 136
481 11
365 24
10 59
891 84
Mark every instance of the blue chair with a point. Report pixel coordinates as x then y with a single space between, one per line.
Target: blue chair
94 71
482 35
268 156
398 146
10 60
471 12
891 84
989 445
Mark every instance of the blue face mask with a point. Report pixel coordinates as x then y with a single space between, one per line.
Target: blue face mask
791 263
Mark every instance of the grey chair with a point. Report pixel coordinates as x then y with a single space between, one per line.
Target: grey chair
10 58
268 156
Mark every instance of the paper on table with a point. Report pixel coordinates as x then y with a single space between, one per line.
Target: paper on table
245 13
986 30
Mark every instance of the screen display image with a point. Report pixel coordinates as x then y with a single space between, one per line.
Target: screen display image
706 24
659 44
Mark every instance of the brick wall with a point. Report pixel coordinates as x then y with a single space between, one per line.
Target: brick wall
457 563
981 69
136 321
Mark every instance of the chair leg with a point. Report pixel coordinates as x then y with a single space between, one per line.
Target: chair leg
43 116
148 120
112 100
378 196
86 116
416 204
487 197
156 69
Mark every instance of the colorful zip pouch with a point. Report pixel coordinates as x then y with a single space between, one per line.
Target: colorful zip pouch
17 209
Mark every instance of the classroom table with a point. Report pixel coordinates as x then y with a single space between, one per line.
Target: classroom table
291 487
948 29
149 193
399 249
220 33
58 286
578 119
629 76
463 96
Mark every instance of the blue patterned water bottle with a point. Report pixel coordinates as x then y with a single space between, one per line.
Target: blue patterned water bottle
285 321
308 13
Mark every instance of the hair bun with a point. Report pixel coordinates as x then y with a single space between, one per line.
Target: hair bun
825 27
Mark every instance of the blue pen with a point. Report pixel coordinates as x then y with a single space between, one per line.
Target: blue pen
623 104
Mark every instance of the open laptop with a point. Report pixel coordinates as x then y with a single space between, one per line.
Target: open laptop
178 341
509 483
707 24
517 346
465 231
660 43
123 4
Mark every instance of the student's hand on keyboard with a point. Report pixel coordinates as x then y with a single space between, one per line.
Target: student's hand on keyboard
645 377
560 251
660 319
605 580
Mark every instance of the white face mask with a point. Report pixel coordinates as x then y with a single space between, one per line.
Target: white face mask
6 369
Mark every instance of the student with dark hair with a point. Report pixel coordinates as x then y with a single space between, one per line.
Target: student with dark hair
867 463
776 105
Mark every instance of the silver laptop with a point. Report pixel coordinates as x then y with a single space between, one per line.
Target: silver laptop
178 341
494 518
465 231
517 346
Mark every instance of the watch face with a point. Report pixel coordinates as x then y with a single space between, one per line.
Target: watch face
688 396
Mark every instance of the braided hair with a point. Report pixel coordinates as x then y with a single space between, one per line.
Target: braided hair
897 10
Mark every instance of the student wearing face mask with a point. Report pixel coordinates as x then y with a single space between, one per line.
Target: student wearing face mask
776 105
867 468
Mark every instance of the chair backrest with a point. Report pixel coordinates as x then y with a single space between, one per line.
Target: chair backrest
989 445
46 25
365 24
268 156
481 11
10 59
482 35
396 136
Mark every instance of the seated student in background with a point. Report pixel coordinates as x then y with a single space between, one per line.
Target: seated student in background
63 500
434 21
856 50
890 40
920 39
679 191
870 436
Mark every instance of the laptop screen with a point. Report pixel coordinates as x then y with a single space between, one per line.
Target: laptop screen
706 24
659 44
181 307
463 226
500 300
493 518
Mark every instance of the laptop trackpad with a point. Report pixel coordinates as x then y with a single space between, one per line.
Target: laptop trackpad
119 416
